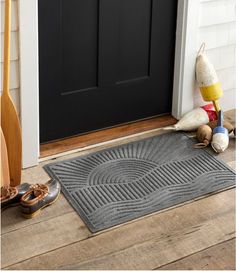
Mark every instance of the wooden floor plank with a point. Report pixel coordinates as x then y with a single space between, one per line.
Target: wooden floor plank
230 116
13 220
39 238
146 243
232 165
229 154
218 257
104 135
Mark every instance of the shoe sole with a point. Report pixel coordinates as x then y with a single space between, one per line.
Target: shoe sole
32 215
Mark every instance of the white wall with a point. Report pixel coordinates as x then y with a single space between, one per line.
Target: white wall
14 68
217 28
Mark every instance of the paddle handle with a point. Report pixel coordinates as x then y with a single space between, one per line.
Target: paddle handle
7 37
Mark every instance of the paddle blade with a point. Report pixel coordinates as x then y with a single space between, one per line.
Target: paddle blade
5 177
12 133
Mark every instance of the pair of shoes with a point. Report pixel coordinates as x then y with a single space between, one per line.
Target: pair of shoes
32 198
11 196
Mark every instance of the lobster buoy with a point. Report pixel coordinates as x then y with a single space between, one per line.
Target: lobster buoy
220 139
193 119
207 80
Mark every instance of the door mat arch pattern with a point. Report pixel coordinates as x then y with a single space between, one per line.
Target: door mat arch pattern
119 184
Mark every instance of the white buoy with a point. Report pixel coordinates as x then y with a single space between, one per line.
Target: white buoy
195 118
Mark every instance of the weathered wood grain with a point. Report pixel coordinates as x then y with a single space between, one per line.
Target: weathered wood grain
218 257
146 243
12 219
42 237
229 155
232 165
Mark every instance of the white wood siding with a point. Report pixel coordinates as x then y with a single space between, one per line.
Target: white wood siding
14 67
217 28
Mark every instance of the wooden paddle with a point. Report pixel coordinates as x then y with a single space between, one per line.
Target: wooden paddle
5 177
9 118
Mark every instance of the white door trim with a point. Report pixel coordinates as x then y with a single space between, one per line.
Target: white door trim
185 56
29 87
186 42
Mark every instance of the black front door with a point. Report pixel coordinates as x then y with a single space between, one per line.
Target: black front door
103 63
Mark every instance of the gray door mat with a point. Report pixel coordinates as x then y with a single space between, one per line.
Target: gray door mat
119 184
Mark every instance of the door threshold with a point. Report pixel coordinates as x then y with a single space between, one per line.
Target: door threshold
94 139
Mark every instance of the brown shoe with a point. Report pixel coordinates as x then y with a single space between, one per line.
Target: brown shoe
11 196
38 197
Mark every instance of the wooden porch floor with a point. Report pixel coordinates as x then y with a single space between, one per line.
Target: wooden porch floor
196 235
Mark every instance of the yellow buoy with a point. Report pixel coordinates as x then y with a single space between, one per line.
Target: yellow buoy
208 81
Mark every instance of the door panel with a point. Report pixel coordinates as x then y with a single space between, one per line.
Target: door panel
103 63
133 45
79 35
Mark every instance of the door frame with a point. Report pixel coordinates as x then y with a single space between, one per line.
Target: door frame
184 70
